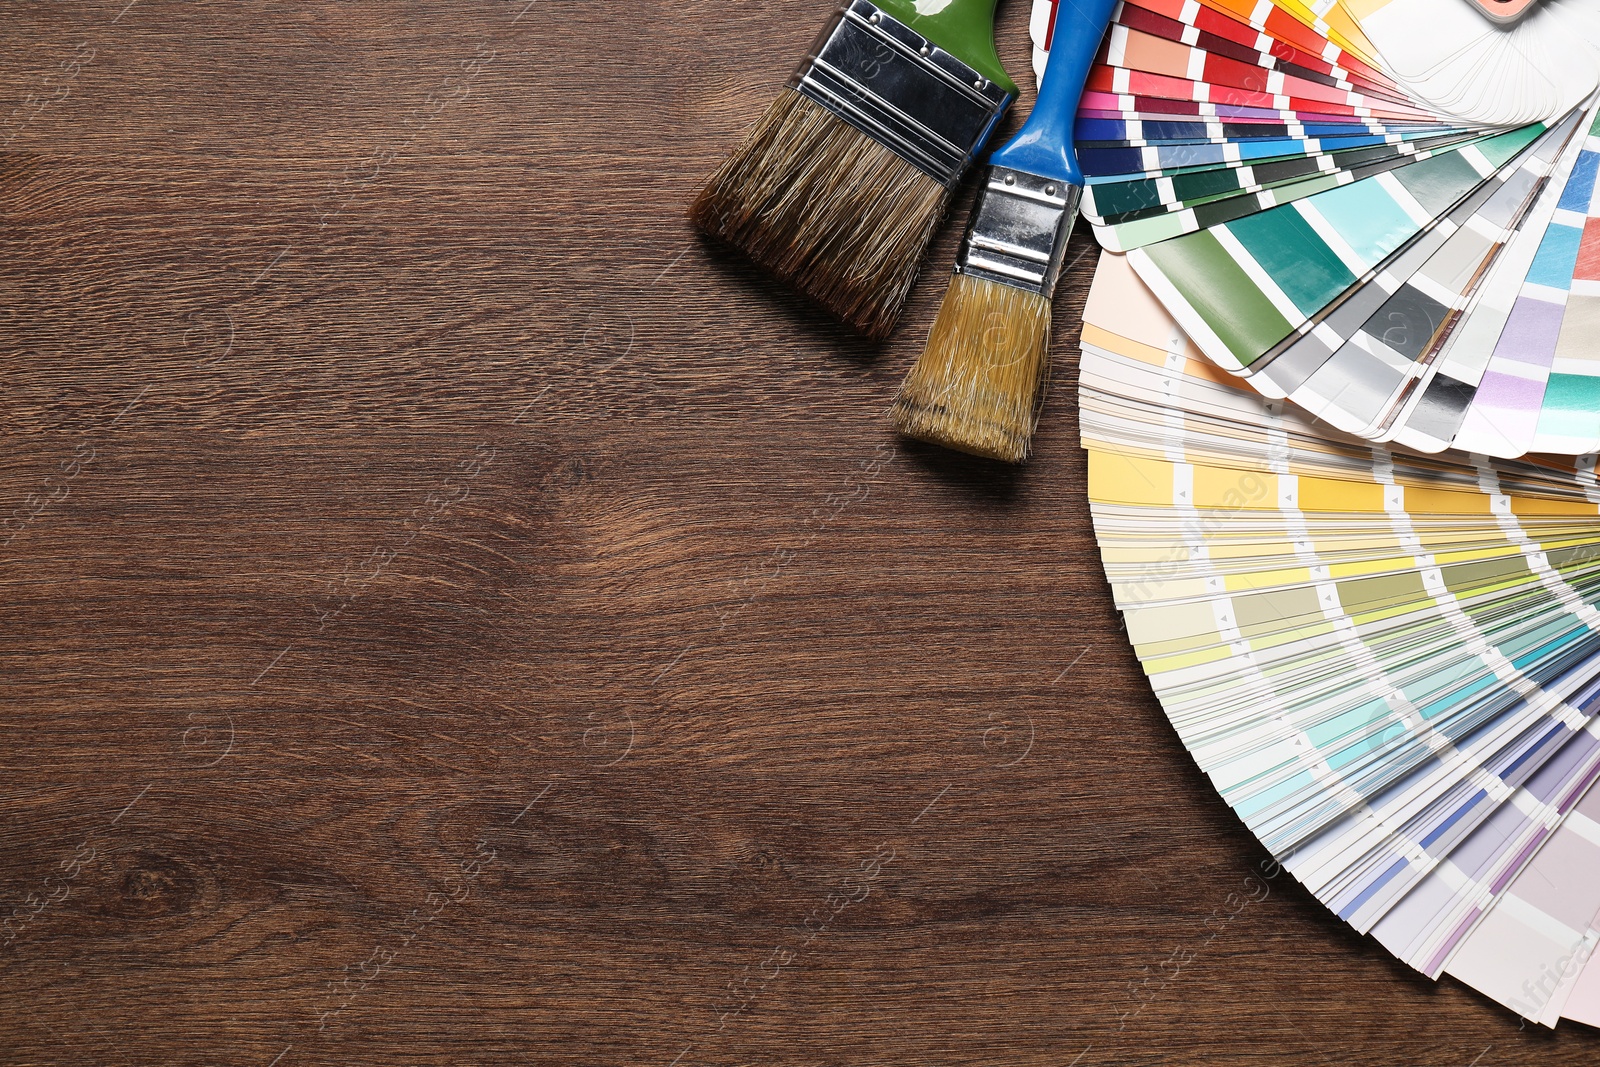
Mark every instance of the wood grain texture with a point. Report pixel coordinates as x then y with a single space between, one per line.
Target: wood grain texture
454 617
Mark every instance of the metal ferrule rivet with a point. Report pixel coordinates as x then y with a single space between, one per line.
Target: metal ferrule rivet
899 88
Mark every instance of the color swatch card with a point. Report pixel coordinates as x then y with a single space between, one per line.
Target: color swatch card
1387 661
1506 11
1383 211
1445 52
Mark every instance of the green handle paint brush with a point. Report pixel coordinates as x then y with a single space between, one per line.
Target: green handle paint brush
977 384
840 186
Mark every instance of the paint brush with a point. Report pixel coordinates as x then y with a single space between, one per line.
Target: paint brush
978 384
840 186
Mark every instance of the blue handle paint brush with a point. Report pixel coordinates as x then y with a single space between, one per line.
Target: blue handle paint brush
977 384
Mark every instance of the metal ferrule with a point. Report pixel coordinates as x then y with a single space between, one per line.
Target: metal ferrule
897 87
1017 233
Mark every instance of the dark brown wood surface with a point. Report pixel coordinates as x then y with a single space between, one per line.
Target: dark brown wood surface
454 617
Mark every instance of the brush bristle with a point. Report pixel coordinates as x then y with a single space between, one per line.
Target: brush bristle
978 384
827 209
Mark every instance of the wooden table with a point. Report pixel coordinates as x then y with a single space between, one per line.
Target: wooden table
452 616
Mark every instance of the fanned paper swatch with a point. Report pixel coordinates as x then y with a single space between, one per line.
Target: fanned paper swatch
1340 392
1384 211
1388 662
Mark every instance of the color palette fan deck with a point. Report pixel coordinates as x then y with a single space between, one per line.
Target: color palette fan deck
1340 391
